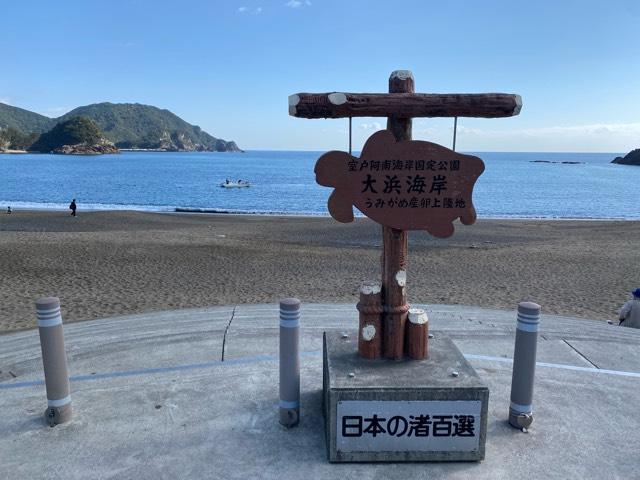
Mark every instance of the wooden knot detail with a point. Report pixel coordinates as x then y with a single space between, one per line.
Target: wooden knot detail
370 309
396 309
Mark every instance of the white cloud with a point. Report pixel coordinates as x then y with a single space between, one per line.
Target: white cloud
609 137
596 137
375 126
597 129
5 100
476 135
297 3
462 130
425 131
608 129
254 11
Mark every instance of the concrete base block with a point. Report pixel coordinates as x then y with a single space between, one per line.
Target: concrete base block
408 411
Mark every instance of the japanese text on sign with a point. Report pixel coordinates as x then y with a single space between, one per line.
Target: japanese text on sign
408 425
418 426
407 185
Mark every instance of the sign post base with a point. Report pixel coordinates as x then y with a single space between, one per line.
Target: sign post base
402 411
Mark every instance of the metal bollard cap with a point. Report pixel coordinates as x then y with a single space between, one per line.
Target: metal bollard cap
529 308
47 303
289 304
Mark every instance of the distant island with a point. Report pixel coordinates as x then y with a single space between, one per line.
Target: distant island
631 158
113 126
550 161
76 136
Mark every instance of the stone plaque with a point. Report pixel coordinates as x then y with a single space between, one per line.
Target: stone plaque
378 426
402 411
407 185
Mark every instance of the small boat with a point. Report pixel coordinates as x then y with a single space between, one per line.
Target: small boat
238 184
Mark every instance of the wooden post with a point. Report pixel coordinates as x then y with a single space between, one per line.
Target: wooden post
370 330
417 334
395 244
400 105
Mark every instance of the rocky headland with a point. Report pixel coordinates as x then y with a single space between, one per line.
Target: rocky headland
129 126
631 158
87 149
76 136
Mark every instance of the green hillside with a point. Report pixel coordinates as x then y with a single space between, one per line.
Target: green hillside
70 132
128 125
23 120
132 125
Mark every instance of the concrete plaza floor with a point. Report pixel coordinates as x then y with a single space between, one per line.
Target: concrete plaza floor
194 394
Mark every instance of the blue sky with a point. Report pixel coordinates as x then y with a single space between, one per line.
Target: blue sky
229 66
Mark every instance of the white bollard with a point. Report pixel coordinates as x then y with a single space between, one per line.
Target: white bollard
54 361
524 365
289 362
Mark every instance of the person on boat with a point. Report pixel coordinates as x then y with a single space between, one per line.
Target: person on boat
227 182
630 311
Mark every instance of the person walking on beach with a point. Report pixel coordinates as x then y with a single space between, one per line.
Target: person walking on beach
73 207
630 311
9 210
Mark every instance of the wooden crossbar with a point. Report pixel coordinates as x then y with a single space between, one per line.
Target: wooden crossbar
404 105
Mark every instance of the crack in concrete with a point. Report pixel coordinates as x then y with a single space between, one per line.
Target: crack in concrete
226 330
580 353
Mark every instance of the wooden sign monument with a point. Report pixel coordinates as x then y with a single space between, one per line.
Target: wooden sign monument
415 411
402 185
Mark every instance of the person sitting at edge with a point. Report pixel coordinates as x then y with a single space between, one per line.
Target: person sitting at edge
73 207
630 311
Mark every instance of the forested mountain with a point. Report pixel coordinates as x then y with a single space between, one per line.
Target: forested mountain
23 120
132 125
78 135
127 125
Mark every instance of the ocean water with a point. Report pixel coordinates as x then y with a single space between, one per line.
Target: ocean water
512 186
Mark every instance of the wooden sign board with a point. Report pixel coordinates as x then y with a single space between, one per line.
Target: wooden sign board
407 185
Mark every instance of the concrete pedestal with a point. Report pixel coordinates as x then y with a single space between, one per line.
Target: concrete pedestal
412 410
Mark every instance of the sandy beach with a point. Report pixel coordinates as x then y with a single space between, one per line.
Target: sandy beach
111 263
